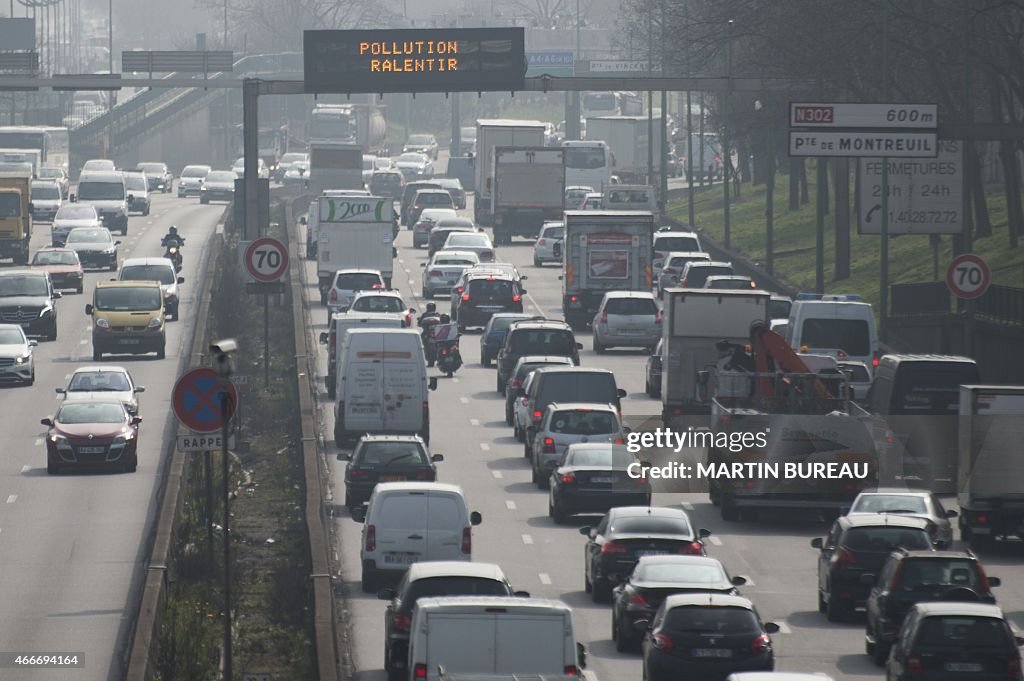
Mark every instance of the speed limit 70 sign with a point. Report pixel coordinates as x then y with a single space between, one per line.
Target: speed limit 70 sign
265 259
968 276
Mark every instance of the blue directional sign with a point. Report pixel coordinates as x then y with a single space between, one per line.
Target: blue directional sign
555 63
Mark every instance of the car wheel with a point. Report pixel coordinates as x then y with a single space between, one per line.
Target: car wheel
485 361
124 230
113 266
518 432
587 586
601 591
648 389
500 384
80 289
508 414
52 335
598 348
835 610
623 641
96 355
879 654
537 262
369 581
822 606
52 469
162 352
558 512
131 465
526 451
32 378
535 477
203 200
146 212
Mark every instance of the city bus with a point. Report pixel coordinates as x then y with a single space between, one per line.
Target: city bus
53 143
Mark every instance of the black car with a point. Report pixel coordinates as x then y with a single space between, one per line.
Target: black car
593 477
95 247
656 577
430 579
857 545
27 298
386 183
158 177
515 388
535 338
485 295
408 194
911 577
652 372
386 458
705 636
627 534
494 334
955 641
438 235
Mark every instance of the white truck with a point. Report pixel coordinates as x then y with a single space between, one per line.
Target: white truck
335 165
628 138
604 251
588 163
529 189
990 470
695 320
354 232
491 133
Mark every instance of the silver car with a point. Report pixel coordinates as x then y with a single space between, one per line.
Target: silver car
627 319
470 241
568 424
347 283
16 363
544 250
219 186
915 503
103 382
138 188
444 269
73 215
675 263
191 180
860 378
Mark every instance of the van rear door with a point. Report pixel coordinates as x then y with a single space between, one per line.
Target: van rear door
401 528
461 643
531 644
403 382
446 520
363 385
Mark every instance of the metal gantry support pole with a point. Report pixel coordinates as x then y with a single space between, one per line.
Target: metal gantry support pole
726 151
250 145
226 473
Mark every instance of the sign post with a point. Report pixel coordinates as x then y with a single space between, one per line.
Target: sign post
265 261
968 278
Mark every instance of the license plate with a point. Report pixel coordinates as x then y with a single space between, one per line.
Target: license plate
601 479
130 341
91 450
651 553
712 652
363 410
399 558
392 478
963 667
632 332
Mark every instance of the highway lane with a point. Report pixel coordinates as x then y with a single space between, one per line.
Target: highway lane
547 560
72 546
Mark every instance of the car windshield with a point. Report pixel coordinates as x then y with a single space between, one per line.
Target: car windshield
434 199
631 307
293 157
73 212
731 283
691 573
644 524
779 309
889 503
584 159
436 214
357 281
712 620
239 164
89 236
135 182
607 457
91 412
386 179
100 191
576 196
425 140
858 372
368 163
45 190
378 304
680 262
502 324
850 335
165 275
51 174
470 240
128 299
98 165
221 176
543 342
963 631
583 423
885 539
412 158
556 233
99 381
193 171
10 205
152 168
452 586
528 368
931 572
931 388
677 243
54 258
390 454
11 337
13 285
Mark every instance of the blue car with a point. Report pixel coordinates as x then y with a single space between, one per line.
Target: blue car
493 336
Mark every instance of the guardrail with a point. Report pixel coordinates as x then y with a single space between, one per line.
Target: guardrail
1002 304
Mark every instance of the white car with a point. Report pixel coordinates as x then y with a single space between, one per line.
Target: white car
444 269
190 183
16 363
415 166
477 242
347 283
860 378
566 424
261 168
103 382
73 215
551 233
383 302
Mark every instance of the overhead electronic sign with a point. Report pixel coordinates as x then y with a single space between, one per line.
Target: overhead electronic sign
414 60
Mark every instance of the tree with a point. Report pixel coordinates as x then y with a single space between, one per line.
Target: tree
278 26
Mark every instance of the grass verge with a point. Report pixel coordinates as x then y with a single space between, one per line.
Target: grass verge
271 595
910 257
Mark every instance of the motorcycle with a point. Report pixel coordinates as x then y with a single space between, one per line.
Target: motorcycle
446 339
429 346
173 253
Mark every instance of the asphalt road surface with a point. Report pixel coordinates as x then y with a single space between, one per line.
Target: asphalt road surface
72 546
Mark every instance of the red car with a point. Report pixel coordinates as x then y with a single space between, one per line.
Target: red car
97 433
65 268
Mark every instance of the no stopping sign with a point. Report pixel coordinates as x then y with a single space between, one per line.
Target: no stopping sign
266 259
968 276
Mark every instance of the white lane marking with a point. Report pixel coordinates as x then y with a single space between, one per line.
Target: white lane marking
464 400
88 327
39 441
527 539
533 302
715 540
784 628
454 380
11 499
83 341
687 506
474 422
408 271
26 468
545 578
484 447
510 505
497 475
401 262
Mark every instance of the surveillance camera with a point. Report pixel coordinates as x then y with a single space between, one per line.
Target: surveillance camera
224 347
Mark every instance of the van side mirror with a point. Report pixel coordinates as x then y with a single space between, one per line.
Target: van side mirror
771 627
995 581
475 518
437 458
136 420
738 581
140 389
323 338
117 243
61 391
181 280
621 392
57 295
33 343
386 594
88 309
47 421
303 220
521 594
359 514
703 534
581 656
586 531
345 456
432 383
817 543
131 198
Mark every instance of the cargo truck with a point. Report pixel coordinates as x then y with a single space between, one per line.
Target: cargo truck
990 470
360 124
696 319
335 165
529 188
627 137
354 232
15 216
604 251
491 133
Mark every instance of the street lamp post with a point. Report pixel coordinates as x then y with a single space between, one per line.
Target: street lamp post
726 152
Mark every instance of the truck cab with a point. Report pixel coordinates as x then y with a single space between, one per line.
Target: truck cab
15 216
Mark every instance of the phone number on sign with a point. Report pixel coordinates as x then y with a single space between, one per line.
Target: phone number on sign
21 660
923 216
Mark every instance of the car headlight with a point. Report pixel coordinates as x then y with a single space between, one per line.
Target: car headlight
102 323
203 188
110 251
154 323
24 359
47 309
60 441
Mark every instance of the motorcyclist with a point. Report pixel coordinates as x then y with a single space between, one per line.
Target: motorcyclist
431 312
446 341
172 238
427 321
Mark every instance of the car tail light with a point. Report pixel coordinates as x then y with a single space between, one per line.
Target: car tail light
612 547
604 318
694 548
659 317
638 599
983 578
434 274
618 441
572 670
516 382
419 671
467 540
371 537
662 642
425 475
357 473
568 478
1013 668
914 665
333 297
761 644
517 298
541 241
444 351
549 446
458 289
982 519
465 297
874 360
536 416
401 622
843 557
573 299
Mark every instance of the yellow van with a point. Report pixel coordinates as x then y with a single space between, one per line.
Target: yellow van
127 319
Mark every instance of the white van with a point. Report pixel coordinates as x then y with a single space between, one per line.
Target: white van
839 325
482 636
382 385
412 522
334 338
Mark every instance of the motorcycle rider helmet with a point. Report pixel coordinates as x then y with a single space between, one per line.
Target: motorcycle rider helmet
445 319
172 230
431 308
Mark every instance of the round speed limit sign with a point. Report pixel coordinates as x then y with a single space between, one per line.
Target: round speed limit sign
968 276
266 259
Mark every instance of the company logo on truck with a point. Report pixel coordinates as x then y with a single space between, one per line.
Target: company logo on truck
344 211
610 239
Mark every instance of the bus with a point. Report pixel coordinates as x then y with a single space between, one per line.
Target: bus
596 104
53 143
587 164
332 123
